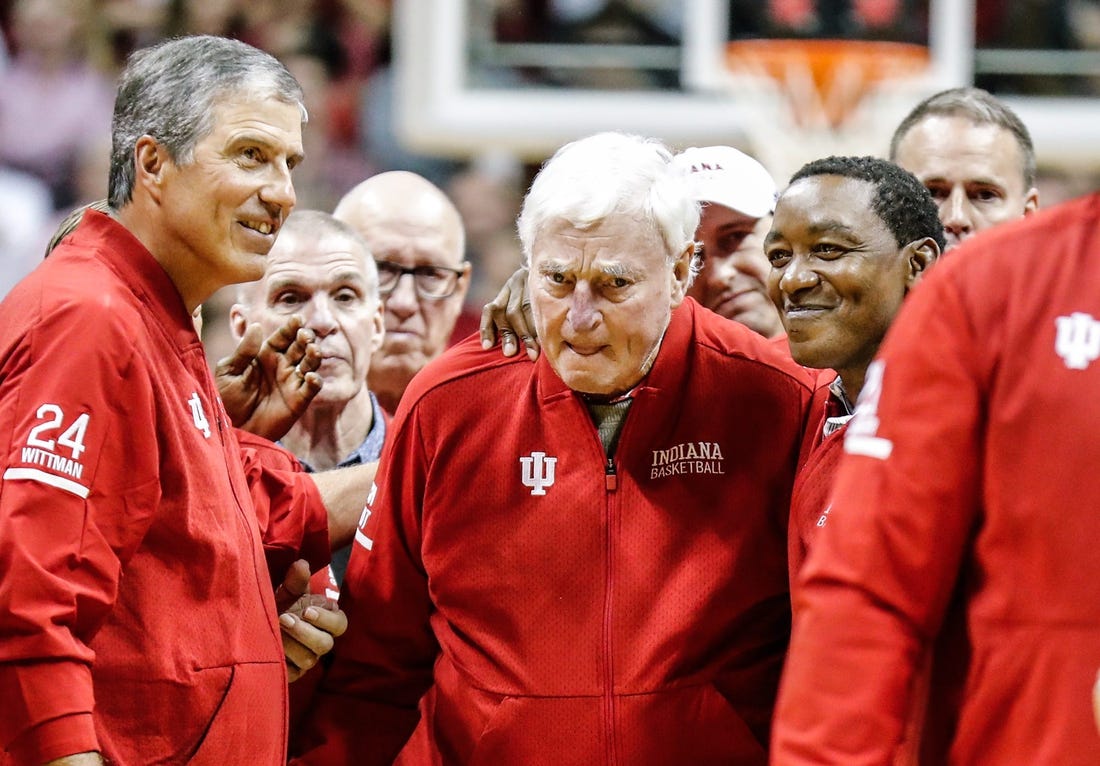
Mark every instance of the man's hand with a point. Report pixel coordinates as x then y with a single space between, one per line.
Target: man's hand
309 623
509 315
267 386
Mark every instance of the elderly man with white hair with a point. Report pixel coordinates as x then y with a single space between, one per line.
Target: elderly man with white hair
580 559
737 197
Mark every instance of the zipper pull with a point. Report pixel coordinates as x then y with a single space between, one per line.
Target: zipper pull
611 479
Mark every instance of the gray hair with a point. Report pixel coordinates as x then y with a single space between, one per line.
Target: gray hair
589 180
312 226
169 92
980 107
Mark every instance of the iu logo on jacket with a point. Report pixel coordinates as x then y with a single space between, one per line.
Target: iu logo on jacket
1078 340
537 472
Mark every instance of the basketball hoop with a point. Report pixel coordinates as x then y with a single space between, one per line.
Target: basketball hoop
805 99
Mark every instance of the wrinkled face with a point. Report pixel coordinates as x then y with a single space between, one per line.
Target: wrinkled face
225 207
601 299
974 172
732 281
838 276
417 328
325 281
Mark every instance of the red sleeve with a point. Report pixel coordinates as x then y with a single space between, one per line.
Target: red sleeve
79 489
877 581
292 516
367 706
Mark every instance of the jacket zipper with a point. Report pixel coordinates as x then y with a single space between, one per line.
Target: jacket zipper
611 482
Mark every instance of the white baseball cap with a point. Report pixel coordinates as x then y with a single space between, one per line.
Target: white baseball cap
729 177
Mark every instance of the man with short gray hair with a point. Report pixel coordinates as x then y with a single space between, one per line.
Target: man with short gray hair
974 155
737 197
142 624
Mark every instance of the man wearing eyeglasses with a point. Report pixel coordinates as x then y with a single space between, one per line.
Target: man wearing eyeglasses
413 231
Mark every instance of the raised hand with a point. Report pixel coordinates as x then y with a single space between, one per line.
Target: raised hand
266 385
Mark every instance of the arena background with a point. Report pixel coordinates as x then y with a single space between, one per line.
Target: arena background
474 94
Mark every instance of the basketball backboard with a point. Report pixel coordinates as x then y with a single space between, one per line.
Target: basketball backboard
446 106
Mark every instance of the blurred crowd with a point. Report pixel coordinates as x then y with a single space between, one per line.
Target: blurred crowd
58 64
59 60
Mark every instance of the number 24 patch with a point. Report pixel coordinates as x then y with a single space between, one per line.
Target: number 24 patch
52 417
47 442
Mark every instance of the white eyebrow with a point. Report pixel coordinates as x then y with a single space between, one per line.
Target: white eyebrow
611 269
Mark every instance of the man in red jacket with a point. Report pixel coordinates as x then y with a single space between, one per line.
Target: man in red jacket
585 562
137 618
968 493
850 238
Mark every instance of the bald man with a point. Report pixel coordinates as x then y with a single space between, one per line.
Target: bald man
412 230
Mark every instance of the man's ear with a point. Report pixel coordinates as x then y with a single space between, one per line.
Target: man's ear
919 257
238 322
681 274
379 321
463 281
150 162
1031 201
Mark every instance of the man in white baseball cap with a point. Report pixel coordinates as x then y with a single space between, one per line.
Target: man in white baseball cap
738 196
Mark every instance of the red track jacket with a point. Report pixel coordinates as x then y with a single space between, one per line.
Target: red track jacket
560 609
965 521
136 610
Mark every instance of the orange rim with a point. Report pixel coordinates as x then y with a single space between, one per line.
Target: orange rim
863 62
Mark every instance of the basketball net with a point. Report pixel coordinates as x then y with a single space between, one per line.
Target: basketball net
801 100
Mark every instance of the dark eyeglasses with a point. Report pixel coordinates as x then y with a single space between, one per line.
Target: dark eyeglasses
430 281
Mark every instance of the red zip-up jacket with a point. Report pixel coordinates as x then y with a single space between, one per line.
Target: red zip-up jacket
136 610
965 522
554 607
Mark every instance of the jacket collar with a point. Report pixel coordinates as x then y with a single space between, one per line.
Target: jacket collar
113 244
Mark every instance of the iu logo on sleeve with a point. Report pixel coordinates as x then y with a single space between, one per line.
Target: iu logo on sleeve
360 535
1078 340
538 472
361 528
